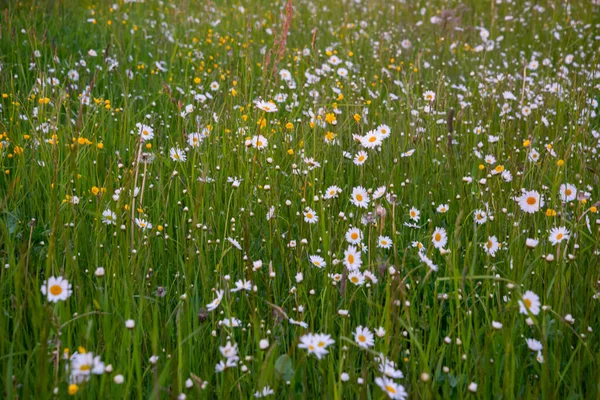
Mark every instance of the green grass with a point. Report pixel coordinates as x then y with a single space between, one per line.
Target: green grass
54 147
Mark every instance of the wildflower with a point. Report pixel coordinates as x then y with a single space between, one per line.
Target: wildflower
310 216
429 96
318 261
143 224
443 208
364 337
439 238
146 132
56 289
352 259
391 388
266 106
316 344
215 303
568 192
177 154
529 303
530 201
360 158
109 217
354 236
414 214
384 242
534 345
558 235
259 142
360 197
371 140
356 278
83 364
491 246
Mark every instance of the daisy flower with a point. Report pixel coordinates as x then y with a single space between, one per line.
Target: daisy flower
443 208
480 217
360 197
352 259
391 388
364 337
316 344
371 140
332 192
354 236
414 214
143 224
177 154
491 246
318 261
146 132
259 142
429 95
530 302
215 303
568 192
360 157
266 106
356 277
384 242
194 139
558 235
534 345
310 216
530 201
379 192
109 217
439 238
56 289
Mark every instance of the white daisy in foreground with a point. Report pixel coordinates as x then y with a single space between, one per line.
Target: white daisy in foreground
360 197
352 259
491 246
177 154
530 302
56 289
318 261
146 132
384 242
364 337
429 95
109 217
316 344
259 142
568 192
530 201
533 344
332 192
310 216
143 224
266 106
439 238
354 236
558 235
391 388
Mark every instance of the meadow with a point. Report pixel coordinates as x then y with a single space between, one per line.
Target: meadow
296 199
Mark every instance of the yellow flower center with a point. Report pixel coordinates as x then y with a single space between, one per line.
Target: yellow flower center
531 200
56 290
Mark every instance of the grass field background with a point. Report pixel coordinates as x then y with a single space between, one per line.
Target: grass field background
484 115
